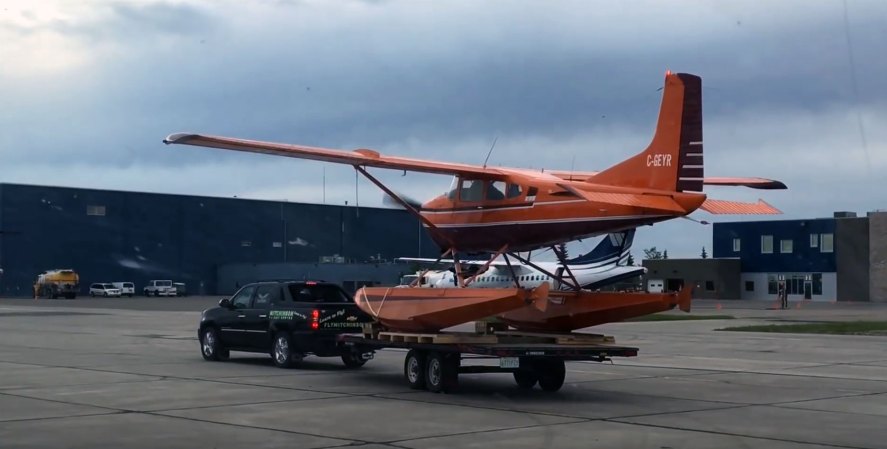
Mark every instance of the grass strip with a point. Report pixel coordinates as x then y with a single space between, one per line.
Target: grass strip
844 327
677 317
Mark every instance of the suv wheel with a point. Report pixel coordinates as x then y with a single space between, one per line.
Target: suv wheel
210 346
282 351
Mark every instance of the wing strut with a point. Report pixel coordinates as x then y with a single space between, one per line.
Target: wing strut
563 260
486 265
431 227
575 286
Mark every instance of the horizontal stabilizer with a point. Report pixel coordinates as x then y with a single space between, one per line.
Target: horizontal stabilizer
724 207
753 183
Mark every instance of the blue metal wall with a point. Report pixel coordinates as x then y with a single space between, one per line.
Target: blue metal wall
803 258
146 236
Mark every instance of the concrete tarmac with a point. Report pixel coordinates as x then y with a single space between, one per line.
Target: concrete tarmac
116 373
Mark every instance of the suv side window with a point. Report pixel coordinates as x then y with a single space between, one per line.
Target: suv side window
265 294
242 298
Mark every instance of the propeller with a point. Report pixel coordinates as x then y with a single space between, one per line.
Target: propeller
390 201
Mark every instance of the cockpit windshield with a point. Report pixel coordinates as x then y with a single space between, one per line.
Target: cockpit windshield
482 190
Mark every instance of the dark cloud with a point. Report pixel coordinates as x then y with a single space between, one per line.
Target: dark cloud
552 82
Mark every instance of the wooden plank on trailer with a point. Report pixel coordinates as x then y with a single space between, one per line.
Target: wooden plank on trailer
442 338
570 338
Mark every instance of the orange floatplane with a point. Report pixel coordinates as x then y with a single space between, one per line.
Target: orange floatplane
507 210
568 311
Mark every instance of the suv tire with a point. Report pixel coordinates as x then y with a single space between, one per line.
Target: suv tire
282 351
211 347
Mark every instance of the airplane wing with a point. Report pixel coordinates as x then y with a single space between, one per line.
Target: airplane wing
753 183
495 263
359 157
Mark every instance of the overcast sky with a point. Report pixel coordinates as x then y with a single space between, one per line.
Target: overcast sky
793 90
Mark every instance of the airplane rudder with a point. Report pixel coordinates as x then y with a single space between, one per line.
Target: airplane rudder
691 170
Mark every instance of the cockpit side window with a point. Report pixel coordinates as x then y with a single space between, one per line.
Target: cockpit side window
472 190
513 191
495 190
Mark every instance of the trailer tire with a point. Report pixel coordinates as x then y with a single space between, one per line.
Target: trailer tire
526 378
442 372
551 374
414 369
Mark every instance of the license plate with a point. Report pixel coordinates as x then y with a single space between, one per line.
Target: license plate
509 362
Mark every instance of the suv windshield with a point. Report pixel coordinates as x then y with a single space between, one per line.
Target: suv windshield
307 292
164 283
107 286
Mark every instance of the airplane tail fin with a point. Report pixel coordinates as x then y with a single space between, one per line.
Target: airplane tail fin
673 160
613 248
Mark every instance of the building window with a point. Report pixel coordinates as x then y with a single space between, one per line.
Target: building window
826 243
710 286
246 243
814 240
772 285
735 245
749 286
817 283
98 211
766 244
785 246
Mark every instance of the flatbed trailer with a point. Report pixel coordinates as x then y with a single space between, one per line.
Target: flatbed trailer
434 362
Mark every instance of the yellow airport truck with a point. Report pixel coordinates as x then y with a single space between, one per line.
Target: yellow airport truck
55 283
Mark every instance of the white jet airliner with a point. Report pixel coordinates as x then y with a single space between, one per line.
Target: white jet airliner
604 265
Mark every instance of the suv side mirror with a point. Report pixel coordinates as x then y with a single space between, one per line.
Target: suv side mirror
225 302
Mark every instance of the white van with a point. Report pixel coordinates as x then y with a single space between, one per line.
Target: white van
126 288
655 286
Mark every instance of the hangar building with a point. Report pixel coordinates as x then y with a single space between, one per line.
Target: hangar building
109 236
843 258
837 258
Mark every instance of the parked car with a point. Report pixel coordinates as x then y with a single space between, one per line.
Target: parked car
159 288
102 289
126 288
180 288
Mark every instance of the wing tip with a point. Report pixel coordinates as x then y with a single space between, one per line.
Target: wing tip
773 184
178 138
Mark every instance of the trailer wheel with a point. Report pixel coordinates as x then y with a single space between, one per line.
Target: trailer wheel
552 374
414 369
526 378
442 372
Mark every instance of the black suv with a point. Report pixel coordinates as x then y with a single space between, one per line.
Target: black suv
287 319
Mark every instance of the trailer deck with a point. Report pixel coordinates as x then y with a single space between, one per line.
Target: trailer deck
434 361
